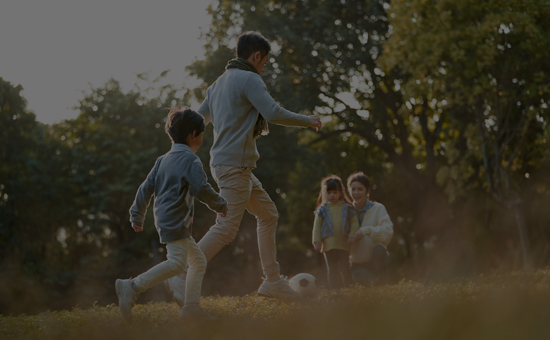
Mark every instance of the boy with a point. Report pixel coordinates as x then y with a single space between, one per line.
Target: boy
175 179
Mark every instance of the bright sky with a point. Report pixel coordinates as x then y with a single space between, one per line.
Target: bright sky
56 49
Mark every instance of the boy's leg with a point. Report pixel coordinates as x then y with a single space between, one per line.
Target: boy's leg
176 261
192 311
234 184
128 290
195 273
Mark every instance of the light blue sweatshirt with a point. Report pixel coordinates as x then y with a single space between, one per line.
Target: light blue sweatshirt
175 179
232 104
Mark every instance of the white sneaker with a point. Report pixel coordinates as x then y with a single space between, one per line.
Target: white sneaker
127 296
194 312
278 289
176 286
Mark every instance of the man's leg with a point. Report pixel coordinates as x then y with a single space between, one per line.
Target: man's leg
361 274
261 206
235 186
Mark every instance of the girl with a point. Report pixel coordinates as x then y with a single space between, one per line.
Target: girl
333 229
368 255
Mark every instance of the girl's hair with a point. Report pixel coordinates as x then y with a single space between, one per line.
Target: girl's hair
331 182
182 121
360 177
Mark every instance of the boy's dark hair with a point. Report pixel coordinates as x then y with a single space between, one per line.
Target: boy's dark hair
250 42
181 121
360 177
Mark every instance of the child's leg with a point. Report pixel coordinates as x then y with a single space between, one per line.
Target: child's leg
195 273
333 274
176 261
344 266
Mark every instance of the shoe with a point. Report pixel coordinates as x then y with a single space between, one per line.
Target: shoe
278 289
176 286
194 312
127 296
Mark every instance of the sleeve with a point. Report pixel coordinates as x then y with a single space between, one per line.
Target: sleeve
317 223
382 232
354 225
201 189
204 110
143 196
256 92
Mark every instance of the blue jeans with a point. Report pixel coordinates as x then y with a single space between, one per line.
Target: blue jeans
374 272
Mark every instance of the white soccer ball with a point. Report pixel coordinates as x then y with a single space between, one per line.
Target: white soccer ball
304 283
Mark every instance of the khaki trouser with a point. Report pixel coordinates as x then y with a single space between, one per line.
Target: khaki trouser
243 190
178 254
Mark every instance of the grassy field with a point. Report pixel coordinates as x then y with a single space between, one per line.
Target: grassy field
499 306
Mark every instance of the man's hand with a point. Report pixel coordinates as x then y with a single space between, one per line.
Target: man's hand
137 228
358 235
315 122
318 246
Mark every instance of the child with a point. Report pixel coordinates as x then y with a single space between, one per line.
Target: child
175 180
333 229
368 255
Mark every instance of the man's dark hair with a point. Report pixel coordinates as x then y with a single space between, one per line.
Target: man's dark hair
181 121
250 42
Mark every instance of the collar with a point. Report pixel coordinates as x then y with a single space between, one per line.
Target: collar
368 205
180 147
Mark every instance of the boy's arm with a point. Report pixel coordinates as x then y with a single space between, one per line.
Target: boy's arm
201 189
204 110
256 92
382 232
143 197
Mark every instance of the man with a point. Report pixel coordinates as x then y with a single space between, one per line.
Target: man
239 107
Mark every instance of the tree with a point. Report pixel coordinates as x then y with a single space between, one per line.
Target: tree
324 61
489 63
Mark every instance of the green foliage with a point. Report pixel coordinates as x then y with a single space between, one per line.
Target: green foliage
495 306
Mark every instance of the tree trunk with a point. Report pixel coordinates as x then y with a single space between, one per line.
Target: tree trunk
523 236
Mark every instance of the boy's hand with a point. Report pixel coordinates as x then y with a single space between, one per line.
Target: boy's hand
315 122
137 228
318 246
358 235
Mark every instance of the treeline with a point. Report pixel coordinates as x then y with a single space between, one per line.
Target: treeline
444 106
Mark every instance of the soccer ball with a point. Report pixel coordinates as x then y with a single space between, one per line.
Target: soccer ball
304 284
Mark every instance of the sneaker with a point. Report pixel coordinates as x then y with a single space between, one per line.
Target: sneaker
278 289
194 312
176 286
127 296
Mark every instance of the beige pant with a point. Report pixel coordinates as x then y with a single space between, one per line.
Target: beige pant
243 190
179 253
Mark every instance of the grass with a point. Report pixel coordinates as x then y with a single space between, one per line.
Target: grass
499 306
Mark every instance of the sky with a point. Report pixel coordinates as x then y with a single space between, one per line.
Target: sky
57 49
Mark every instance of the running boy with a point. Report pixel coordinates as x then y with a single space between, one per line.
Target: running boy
175 179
